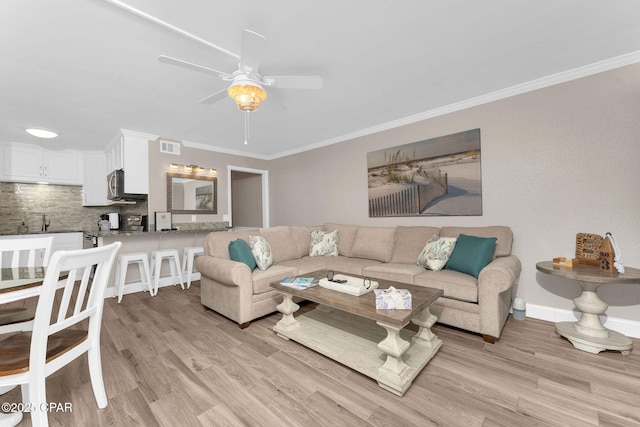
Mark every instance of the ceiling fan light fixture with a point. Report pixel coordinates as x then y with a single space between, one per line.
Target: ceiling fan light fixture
247 94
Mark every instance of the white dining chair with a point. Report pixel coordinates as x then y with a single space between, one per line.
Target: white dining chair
30 357
23 252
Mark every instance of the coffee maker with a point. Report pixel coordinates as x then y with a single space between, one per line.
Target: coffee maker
113 218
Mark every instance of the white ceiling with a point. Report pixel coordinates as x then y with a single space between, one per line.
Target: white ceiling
88 68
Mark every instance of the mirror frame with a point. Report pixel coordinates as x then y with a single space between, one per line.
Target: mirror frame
212 179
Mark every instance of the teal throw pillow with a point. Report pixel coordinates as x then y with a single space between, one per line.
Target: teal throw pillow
239 250
471 254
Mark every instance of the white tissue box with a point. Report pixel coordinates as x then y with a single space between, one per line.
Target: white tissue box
392 298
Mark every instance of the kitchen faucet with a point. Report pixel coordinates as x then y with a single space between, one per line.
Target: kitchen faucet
45 222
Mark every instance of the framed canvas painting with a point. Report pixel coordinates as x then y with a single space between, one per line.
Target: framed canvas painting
438 177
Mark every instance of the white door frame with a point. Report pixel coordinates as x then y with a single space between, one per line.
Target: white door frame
265 192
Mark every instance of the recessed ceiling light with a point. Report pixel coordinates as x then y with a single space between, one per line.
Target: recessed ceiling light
42 133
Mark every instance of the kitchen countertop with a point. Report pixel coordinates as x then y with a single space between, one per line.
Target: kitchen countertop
119 233
41 232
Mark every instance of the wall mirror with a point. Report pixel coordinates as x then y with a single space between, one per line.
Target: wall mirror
191 194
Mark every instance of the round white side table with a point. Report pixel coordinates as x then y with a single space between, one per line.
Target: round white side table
588 333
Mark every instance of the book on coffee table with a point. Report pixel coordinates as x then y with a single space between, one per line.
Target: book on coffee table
298 282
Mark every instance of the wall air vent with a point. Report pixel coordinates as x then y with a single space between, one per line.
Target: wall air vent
169 147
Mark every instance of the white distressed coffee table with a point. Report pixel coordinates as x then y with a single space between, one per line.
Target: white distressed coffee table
349 330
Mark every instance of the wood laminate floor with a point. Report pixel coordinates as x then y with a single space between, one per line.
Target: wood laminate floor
169 362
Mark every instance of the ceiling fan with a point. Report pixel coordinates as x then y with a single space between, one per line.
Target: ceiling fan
247 84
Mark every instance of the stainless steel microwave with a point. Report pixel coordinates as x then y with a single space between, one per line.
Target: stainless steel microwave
115 187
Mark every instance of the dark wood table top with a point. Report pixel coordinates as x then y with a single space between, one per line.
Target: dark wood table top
364 305
589 273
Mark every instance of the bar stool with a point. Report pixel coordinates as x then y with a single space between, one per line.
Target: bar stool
124 260
190 253
173 258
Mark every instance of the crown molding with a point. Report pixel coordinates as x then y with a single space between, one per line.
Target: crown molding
519 89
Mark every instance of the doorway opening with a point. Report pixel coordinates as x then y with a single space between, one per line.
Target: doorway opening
248 193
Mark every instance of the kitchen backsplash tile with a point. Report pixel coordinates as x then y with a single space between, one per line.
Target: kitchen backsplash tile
62 205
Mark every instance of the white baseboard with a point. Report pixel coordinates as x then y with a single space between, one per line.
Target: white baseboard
629 328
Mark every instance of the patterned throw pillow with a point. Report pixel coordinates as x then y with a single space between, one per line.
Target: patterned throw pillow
324 243
436 252
261 252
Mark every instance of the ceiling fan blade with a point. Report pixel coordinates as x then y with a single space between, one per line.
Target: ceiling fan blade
192 66
218 96
294 82
252 49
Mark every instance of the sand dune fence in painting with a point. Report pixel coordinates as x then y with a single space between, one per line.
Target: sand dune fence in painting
439 176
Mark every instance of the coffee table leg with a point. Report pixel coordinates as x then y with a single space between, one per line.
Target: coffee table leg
425 320
394 374
287 307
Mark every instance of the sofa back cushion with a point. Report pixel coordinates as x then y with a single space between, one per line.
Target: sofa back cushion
346 235
302 238
281 242
409 242
217 243
374 243
503 234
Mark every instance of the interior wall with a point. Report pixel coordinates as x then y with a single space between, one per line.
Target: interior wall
246 198
555 162
159 166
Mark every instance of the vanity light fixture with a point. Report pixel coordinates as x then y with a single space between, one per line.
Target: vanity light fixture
193 169
41 132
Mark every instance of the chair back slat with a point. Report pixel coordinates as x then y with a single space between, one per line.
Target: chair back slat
85 295
25 252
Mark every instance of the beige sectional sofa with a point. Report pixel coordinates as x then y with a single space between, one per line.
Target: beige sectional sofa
479 305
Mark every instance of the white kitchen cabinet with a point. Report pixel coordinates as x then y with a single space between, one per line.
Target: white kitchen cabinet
94 183
130 151
32 163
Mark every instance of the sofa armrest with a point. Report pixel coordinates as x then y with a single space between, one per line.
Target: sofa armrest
497 286
500 275
225 271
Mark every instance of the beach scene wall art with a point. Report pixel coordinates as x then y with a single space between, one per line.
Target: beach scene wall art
435 177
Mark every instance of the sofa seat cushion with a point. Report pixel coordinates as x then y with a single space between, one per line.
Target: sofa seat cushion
409 242
347 265
262 279
307 264
374 243
454 284
396 272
